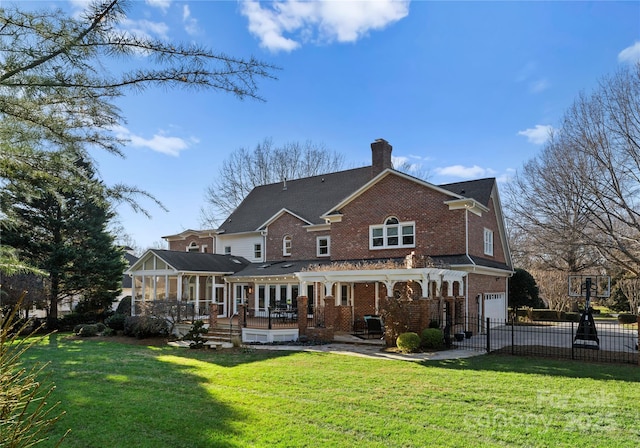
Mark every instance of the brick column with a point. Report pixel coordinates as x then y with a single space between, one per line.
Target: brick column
302 315
213 316
329 311
242 315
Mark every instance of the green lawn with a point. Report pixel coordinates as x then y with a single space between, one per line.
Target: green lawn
119 395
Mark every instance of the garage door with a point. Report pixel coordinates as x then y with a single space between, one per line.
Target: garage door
495 306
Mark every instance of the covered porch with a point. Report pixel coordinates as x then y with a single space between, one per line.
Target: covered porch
338 301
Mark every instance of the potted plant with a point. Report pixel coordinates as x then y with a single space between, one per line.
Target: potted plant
468 334
459 336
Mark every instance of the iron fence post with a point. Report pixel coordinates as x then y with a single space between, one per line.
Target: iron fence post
269 314
488 336
513 337
573 355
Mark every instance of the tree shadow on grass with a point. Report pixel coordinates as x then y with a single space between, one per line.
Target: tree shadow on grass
542 366
120 395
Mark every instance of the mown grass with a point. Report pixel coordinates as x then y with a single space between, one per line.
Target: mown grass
120 395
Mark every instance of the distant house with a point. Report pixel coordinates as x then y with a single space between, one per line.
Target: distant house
352 237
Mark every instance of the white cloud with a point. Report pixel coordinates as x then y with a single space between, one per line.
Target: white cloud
190 24
539 85
162 4
320 21
145 28
171 146
465 172
528 75
630 54
538 135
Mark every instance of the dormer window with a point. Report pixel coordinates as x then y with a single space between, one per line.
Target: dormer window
193 247
286 246
392 234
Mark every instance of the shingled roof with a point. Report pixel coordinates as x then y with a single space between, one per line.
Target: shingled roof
479 189
307 198
201 262
310 197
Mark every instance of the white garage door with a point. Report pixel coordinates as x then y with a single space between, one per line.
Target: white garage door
495 306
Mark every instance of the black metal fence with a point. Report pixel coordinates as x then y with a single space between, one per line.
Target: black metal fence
604 341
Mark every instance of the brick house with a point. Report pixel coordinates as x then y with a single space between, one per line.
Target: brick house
352 240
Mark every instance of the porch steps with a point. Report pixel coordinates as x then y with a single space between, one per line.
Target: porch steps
222 334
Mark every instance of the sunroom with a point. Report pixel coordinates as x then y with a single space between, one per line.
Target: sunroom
191 279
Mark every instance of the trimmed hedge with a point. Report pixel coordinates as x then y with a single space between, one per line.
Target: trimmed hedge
145 326
432 338
116 322
408 342
625 318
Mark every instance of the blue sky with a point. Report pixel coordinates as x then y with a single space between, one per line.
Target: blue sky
462 89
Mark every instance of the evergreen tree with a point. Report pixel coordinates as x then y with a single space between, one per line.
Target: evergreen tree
62 229
523 290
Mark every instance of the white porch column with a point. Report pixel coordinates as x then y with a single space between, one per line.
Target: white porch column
327 287
389 284
197 304
133 295
179 287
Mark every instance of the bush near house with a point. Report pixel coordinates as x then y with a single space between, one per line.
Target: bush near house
145 326
432 338
116 322
408 342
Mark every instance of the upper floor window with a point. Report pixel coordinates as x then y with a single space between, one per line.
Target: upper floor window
227 250
257 251
323 246
392 234
286 245
193 247
488 242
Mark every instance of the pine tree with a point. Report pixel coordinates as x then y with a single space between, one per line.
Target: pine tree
62 228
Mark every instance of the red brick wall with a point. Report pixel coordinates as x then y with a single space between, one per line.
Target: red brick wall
477 225
181 245
303 243
365 303
438 230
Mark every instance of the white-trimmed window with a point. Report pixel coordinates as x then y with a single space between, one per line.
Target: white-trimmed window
392 234
323 246
488 242
257 251
193 247
227 250
286 245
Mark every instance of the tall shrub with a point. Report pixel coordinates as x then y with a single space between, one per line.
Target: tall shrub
25 414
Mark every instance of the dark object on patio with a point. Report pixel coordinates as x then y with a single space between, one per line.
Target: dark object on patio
587 327
374 326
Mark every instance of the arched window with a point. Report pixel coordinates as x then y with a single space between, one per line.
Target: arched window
193 247
392 234
286 245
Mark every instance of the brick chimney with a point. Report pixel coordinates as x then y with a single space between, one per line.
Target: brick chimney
380 156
